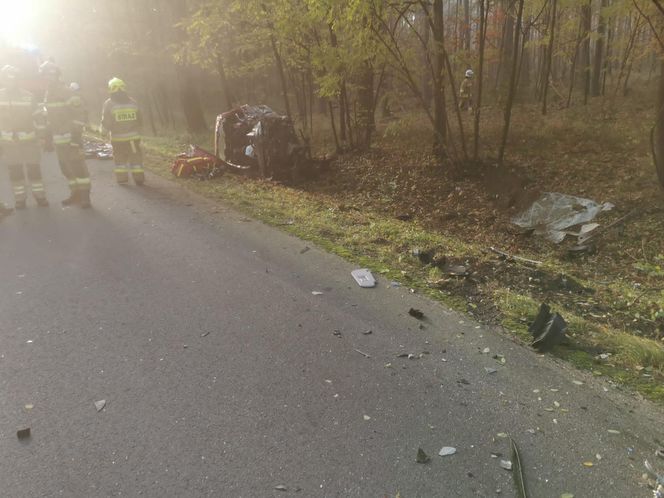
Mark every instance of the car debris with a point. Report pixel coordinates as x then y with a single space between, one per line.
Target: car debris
97 149
447 451
254 138
281 487
422 457
414 312
548 329
23 433
364 278
99 405
510 257
659 479
553 213
518 471
506 464
363 353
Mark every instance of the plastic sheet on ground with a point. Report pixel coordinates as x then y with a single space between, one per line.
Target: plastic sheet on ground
553 213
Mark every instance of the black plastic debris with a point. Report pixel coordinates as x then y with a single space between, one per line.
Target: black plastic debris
416 313
548 329
422 457
23 433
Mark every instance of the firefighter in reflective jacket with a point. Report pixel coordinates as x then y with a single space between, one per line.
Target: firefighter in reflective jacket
65 117
18 139
121 117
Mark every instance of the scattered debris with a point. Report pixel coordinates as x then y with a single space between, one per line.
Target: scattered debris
456 270
281 487
205 334
577 382
553 213
97 149
317 293
422 457
511 257
447 451
23 433
567 495
366 417
364 278
416 313
518 471
99 405
486 350
660 453
613 431
490 370
363 353
305 249
29 406
395 284
588 464
367 332
337 332
506 464
547 330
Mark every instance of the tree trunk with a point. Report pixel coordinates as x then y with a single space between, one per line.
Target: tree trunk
282 76
586 16
575 59
658 130
549 55
507 49
512 84
466 25
440 118
366 124
478 104
191 102
223 81
596 84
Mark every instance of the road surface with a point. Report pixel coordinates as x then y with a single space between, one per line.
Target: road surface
225 375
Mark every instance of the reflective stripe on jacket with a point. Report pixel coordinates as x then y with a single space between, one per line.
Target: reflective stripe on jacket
17 115
122 119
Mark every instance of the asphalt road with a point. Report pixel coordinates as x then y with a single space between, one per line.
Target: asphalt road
223 374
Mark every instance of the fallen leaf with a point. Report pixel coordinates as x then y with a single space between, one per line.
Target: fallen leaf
588 464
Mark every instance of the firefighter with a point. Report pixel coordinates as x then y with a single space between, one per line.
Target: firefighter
77 133
18 138
466 92
65 116
121 117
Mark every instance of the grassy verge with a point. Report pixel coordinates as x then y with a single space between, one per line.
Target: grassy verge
372 238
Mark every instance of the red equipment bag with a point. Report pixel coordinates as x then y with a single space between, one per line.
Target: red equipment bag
195 162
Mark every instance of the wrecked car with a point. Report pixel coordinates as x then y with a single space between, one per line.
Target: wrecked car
254 138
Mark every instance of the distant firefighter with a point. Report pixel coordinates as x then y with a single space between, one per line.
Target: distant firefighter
66 119
466 92
18 138
121 117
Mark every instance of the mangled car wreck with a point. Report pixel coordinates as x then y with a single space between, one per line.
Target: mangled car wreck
254 138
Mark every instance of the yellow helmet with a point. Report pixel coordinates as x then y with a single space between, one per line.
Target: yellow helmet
116 85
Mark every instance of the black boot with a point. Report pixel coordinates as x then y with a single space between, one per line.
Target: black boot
72 199
20 204
42 201
84 198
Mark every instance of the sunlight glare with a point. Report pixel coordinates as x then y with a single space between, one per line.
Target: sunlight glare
16 17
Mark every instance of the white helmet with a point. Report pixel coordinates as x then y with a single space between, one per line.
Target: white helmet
469 73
